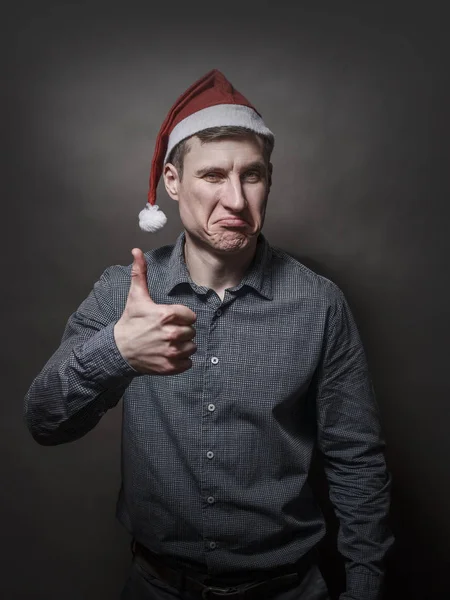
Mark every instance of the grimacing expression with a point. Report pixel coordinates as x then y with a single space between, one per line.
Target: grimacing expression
223 180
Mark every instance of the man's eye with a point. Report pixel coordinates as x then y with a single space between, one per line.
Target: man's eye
212 176
253 176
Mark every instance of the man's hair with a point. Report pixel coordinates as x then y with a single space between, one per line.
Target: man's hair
176 157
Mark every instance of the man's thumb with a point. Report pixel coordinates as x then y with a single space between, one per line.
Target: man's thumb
139 287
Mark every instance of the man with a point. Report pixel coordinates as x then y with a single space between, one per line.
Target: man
218 433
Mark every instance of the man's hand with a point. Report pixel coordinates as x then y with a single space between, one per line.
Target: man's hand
154 338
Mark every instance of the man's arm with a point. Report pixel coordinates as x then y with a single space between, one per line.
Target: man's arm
84 378
350 439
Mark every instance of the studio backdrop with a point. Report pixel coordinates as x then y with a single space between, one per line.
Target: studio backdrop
356 99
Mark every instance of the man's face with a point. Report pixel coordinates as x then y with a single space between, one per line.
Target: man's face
222 180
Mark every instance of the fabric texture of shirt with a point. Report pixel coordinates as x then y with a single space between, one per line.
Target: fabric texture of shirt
215 460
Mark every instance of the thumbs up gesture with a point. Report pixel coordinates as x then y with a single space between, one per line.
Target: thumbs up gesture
154 338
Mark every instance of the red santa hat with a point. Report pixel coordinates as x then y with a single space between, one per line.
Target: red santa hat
210 102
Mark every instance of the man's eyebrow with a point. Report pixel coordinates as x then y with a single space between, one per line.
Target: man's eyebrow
205 170
257 164
260 166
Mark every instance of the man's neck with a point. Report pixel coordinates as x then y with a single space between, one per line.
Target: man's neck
216 271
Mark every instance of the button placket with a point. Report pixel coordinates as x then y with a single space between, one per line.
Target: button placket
211 407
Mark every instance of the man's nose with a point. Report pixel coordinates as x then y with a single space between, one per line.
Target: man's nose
234 196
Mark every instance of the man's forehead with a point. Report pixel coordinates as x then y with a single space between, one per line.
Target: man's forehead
245 149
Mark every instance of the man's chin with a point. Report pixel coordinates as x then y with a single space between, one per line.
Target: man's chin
232 240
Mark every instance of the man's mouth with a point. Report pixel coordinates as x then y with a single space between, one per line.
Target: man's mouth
233 222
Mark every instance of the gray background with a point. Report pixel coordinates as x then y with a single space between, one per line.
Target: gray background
356 95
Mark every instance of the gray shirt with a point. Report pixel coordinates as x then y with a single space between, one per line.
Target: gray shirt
215 460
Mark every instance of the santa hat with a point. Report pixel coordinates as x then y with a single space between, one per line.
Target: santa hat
210 102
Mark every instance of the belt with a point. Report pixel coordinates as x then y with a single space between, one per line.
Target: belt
184 578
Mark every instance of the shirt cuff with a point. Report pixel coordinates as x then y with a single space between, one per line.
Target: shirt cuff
103 361
363 585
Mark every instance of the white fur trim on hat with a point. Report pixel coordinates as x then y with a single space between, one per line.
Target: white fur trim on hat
151 219
216 116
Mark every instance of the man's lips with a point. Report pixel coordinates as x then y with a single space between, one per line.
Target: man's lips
233 222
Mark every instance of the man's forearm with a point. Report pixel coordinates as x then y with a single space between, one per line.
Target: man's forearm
79 383
351 441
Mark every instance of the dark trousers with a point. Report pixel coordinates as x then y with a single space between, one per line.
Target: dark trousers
141 585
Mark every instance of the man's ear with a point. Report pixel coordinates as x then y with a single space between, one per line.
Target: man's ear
171 180
270 174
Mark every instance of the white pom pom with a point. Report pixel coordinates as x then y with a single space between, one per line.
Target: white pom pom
151 219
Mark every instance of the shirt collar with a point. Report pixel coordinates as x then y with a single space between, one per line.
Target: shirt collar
257 276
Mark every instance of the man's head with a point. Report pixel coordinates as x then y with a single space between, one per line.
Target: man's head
218 174
210 112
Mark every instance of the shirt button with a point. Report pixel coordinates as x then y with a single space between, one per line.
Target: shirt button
211 407
210 454
214 360
211 500
218 312
212 545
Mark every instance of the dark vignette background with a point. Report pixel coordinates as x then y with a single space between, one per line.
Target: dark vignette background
356 94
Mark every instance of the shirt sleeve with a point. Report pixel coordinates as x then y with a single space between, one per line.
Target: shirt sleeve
84 378
351 442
